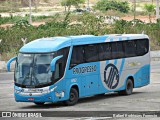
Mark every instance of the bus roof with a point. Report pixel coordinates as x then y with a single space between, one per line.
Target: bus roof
51 44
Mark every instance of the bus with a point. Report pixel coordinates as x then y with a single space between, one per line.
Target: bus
68 68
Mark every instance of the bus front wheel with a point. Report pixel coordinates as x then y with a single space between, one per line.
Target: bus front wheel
73 97
128 89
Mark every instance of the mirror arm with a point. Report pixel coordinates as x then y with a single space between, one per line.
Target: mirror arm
9 63
53 62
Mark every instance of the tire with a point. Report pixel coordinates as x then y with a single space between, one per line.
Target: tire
73 97
39 103
128 89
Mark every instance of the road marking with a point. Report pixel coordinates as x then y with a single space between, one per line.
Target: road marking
7 73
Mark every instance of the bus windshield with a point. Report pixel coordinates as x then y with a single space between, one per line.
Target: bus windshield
33 69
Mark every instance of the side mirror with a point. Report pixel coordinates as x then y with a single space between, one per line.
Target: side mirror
9 63
53 62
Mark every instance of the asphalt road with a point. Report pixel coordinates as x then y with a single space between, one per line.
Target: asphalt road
143 99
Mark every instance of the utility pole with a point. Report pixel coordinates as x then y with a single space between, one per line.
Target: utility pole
30 14
65 5
134 9
11 6
157 9
88 8
36 5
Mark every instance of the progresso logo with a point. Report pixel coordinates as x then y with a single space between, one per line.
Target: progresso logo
111 76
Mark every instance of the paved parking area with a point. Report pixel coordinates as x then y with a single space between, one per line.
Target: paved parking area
143 99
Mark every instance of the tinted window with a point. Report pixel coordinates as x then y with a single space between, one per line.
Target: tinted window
77 55
114 50
91 53
120 50
142 46
104 51
130 48
117 50
107 51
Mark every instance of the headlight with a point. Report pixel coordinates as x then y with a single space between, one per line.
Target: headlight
17 91
53 89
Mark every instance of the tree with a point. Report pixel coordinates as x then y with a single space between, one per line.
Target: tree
134 9
69 3
105 5
149 8
25 3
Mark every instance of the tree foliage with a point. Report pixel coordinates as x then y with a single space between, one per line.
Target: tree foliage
69 3
86 23
149 8
105 5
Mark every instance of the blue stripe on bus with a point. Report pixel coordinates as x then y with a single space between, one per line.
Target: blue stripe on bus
107 62
123 60
122 65
115 62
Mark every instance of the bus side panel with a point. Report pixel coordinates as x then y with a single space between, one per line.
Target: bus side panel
146 75
60 91
112 75
136 67
142 77
86 76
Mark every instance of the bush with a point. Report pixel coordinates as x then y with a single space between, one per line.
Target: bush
84 24
105 5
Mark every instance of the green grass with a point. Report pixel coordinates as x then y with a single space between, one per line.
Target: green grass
12 20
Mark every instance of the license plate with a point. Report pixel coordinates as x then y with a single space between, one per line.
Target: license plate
31 99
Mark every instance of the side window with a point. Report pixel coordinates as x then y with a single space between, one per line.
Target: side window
130 48
77 56
104 50
90 53
120 50
114 50
60 64
142 46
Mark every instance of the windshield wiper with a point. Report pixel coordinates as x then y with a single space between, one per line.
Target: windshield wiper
25 78
34 75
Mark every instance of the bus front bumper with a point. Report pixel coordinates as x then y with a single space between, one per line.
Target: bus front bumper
48 97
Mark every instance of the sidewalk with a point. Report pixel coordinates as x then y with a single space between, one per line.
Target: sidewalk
3 66
155 56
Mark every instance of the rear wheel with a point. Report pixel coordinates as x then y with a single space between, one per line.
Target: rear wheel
39 103
128 89
73 97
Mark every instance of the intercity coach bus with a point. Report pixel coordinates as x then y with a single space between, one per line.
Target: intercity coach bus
68 68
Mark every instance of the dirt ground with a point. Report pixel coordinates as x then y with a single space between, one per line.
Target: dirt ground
142 18
128 18
34 24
